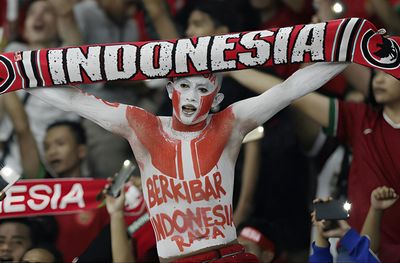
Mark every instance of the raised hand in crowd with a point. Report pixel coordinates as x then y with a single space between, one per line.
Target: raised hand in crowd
381 199
323 235
120 244
356 246
66 23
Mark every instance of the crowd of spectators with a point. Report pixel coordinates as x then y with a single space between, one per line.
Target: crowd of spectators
342 141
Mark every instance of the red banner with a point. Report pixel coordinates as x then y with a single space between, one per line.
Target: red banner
350 39
51 196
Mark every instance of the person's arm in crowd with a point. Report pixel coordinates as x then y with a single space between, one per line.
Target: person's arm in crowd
30 158
296 6
66 23
252 112
161 19
121 247
387 14
357 246
320 246
250 173
363 74
381 198
110 116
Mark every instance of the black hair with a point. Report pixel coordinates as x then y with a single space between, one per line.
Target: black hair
76 128
34 229
221 12
58 256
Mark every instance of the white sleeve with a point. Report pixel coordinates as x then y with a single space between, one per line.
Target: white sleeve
254 111
110 116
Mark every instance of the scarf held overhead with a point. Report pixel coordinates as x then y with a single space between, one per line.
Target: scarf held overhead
351 40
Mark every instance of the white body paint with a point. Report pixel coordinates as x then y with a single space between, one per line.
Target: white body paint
159 148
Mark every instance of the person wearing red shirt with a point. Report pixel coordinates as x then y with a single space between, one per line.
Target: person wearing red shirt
374 136
373 133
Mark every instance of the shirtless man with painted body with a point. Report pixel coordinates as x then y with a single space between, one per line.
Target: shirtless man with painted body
187 161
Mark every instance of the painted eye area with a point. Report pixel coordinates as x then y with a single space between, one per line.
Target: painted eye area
184 86
203 90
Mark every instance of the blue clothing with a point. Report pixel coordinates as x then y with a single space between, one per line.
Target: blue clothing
356 245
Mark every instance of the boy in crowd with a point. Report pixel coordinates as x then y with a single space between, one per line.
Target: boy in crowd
191 166
16 237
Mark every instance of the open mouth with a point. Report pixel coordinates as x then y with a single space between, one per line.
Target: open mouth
38 26
188 109
54 163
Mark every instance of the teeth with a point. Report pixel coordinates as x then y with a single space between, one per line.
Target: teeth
189 108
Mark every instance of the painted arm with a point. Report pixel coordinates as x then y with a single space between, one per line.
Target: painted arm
253 112
381 199
110 116
30 158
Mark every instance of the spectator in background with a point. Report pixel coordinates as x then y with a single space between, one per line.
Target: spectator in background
13 107
108 21
374 137
359 248
120 244
44 253
383 13
129 218
65 149
39 31
17 235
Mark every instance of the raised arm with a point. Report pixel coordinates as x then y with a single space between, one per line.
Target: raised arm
30 158
110 116
381 198
253 112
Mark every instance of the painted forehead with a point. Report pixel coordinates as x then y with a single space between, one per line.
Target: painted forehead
207 79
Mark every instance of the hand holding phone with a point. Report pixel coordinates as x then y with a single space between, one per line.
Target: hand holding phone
332 210
121 178
331 217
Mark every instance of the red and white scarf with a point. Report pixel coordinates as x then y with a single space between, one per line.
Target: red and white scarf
351 39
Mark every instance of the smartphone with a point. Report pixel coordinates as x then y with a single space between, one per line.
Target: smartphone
8 177
122 177
332 210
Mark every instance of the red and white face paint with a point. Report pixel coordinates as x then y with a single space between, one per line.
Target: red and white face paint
193 97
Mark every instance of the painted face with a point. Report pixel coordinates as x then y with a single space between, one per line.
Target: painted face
15 240
192 98
386 88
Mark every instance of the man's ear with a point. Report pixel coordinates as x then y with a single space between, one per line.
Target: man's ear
82 151
170 89
217 99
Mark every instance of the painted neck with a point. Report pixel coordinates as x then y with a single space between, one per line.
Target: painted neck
179 126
